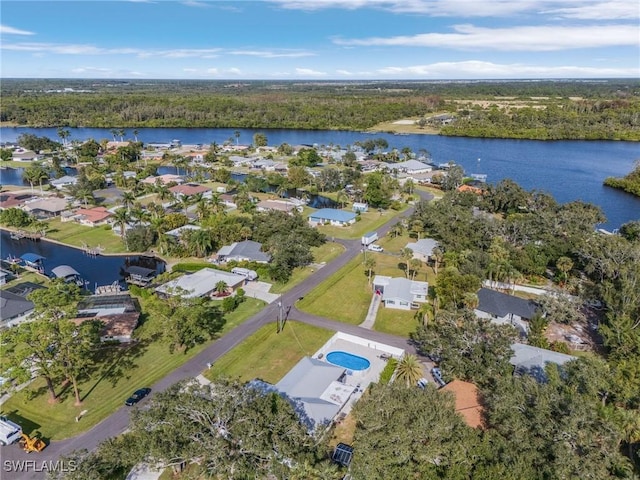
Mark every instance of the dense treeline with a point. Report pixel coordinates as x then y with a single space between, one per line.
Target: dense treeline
629 183
547 110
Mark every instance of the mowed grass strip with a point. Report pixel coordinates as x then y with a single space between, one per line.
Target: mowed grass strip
345 296
125 369
73 233
395 322
322 254
269 355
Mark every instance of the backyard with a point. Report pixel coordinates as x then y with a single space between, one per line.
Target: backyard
368 222
121 371
269 355
75 234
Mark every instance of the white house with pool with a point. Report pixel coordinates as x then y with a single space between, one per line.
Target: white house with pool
328 384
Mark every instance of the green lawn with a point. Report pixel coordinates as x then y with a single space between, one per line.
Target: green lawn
269 355
395 322
73 233
322 254
125 370
369 221
345 296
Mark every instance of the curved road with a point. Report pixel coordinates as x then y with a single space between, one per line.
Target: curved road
118 422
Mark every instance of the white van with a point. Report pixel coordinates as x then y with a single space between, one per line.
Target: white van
10 432
245 272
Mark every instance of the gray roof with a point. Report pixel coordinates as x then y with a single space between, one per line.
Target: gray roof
501 304
424 246
532 360
305 384
246 249
64 271
401 288
200 283
12 305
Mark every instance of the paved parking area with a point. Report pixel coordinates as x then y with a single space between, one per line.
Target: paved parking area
260 290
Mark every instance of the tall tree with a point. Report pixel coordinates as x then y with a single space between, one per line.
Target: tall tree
408 370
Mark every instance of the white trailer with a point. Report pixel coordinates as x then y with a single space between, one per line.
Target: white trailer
10 432
369 238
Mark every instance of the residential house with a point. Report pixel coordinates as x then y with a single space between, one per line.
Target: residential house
246 251
164 179
63 182
530 360
400 293
277 205
13 200
46 207
360 207
118 313
314 388
14 309
410 167
24 155
467 401
189 189
332 216
505 309
423 248
92 217
177 232
201 283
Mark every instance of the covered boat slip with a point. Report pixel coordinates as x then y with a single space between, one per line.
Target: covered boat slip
68 274
34 261
140 276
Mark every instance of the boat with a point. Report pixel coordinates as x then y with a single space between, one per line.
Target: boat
115 287
68 274
33 261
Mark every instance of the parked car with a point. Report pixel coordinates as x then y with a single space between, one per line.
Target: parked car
137 396
375 248
437 376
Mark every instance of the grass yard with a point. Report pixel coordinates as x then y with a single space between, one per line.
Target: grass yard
369 221
269 355
345 296
73 233
395 322
322 254
127 369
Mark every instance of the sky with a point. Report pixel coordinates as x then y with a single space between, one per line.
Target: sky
320 39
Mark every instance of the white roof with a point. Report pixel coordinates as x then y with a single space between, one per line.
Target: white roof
200 283
424 246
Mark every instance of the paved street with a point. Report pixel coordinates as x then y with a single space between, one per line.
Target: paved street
117 423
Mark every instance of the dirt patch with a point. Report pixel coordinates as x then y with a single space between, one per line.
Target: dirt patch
580 336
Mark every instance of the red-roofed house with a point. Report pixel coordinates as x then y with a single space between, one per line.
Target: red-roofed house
467 398
189 189
92 217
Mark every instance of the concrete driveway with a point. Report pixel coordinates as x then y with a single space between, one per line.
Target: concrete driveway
260 290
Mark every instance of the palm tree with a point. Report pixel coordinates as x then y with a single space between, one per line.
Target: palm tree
409 370
564 264
221 287
245 232
162 191
121 133
415 264
436 255
406 254
85 195
121 218
128 199
63 134
369 265
135 135
35 173
114 132
200 242
342 198
237 135
185 202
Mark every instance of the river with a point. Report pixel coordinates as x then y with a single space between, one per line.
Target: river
569 170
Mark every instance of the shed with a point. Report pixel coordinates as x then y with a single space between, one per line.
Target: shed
342 454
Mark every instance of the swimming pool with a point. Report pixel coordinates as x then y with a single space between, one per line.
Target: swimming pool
348 360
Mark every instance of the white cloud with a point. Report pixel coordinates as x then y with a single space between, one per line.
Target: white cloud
584 9
308 72
271 54
190 70
212 71
479 69
194 3
234 71
86 49
524 38
6 29
618 10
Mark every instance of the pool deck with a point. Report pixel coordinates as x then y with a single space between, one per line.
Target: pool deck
377 354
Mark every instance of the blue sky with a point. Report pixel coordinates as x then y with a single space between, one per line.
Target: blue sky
320 39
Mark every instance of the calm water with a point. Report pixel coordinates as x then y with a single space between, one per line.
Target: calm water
99 270
569 170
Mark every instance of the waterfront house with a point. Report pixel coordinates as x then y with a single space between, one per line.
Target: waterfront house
400 293
201 283
14 309
13 200
118 313
90 217
24 155
63 182
163 179
189 189
46 207
332 216
246 251
504 309
423 248
278 206
410 167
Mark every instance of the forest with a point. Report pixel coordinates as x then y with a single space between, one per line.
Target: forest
630 183
543 110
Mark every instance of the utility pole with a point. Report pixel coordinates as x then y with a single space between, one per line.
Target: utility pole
280 321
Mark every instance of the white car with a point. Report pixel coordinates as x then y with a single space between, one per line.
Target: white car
375 248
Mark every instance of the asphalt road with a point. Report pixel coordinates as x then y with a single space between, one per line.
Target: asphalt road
15 461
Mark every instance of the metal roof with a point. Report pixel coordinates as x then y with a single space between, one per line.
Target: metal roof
32 257
333 214
64 271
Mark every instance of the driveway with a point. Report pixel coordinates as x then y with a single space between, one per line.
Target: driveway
260 290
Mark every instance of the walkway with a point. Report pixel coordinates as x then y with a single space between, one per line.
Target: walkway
370 319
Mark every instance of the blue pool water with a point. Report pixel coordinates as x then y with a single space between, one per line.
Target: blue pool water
348 360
